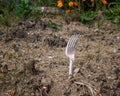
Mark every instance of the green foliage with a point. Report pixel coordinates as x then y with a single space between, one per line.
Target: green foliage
1 33
45 2
6 12
87 16
113 13
22 9
53 25
5 18
14 10
10 55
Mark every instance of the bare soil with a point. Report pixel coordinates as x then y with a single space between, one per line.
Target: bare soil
33 61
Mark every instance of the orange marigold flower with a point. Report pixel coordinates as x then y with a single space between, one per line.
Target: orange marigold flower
92 1
67 10
83 0
60 0
75 3
104 2
59 3
71 4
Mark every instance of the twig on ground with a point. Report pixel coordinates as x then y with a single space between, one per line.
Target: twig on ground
90 87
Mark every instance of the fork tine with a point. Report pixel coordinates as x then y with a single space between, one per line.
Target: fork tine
71 44
75 38
73 41
71 38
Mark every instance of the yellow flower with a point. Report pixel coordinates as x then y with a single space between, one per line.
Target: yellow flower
104 2
92 1
71 4
59 3
83 0
76 3
67 10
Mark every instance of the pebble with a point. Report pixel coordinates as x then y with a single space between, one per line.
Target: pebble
50 57
118 37
96 30
77 70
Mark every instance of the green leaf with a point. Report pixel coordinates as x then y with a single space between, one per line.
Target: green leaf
34 8
116 20
1 33
10 55
53 25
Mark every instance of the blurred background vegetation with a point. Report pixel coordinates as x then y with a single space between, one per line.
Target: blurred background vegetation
11 11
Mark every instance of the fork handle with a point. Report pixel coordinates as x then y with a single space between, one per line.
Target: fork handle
71 67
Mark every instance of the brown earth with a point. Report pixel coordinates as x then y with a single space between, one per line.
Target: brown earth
33 61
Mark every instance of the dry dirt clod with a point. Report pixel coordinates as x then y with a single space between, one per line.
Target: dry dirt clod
30 24
30 68
41 25
34 38
77 32
19 33
5 69
55 41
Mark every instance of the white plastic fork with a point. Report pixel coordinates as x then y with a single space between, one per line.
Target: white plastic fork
70 52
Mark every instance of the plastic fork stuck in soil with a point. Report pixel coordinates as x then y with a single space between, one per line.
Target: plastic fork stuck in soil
70 52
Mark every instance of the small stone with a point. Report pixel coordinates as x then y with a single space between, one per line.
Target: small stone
118 37
96 30
50 57
32 94
117 51
43 80
77 70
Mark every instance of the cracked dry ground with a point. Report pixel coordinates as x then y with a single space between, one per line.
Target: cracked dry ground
33 62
